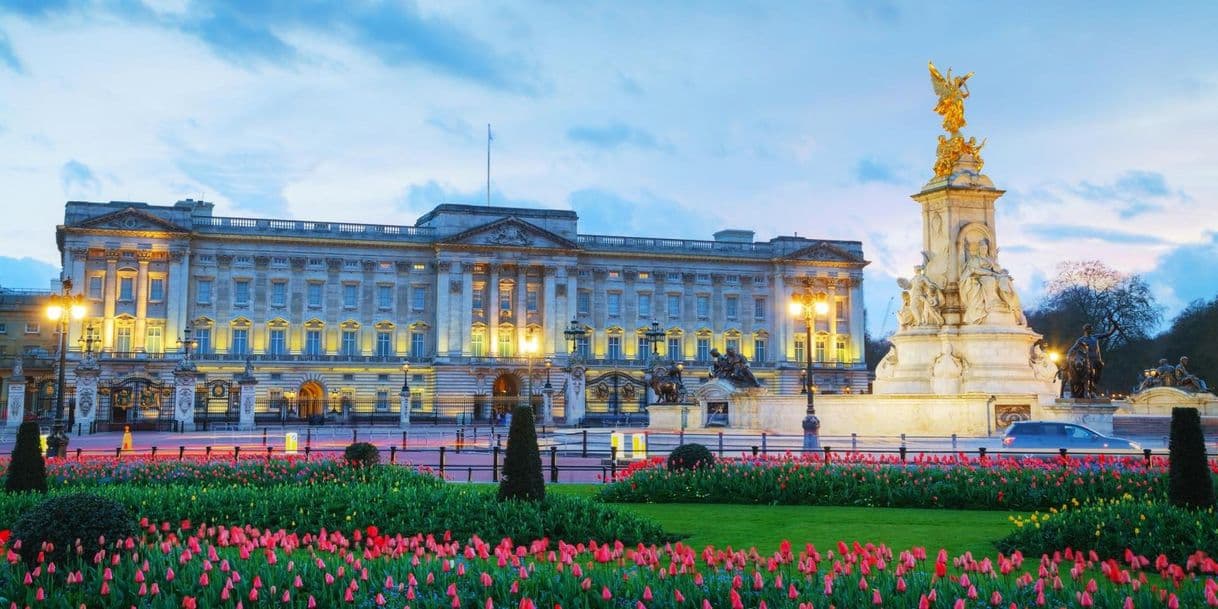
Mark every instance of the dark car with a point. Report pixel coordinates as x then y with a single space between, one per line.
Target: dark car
1054 435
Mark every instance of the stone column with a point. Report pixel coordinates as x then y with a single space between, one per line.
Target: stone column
521 313
87 372
184 396
575 395
551 332
111 296
832 314
855 322
176 292
404 412
547 406
492 308
248 383
466 315
16 398
443 318
141 305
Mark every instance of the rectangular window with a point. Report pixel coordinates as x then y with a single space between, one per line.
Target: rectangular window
507 346
418 344
154 339
95 287
675 350
733 344
704 349
583 347
122 339
350 295
312 342
314 295
644 275
614 351
583 302
382 400
241 292
384 343
759 308
418 300
731 305
505 299
841 310
126 288
674 305
820 349
203 340
32 328
477 344
799 351
643 349
156 289
350 343
840 349
3 328
279 293
614 304
384 297
759 354
530 297
477 299
703 303
203 295
644 305
241 342
278 344
615 274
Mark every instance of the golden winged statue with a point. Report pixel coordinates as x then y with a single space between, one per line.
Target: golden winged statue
952 91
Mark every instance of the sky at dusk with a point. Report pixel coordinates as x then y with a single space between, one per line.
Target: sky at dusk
670 119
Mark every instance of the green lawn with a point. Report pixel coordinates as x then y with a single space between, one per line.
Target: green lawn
765 525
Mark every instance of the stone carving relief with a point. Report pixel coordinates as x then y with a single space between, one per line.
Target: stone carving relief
947 370
85 403
985 287
888 365
1006 414
510 235
15 405
18 368
185 397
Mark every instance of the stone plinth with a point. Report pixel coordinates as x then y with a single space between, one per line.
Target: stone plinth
16 401
184 378
246 420
87 373
1160 401
1096 414
404 411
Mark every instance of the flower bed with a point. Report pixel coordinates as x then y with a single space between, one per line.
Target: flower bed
170 567
246 471
859 480
1113 528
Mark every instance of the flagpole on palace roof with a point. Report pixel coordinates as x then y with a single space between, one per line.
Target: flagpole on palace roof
489 137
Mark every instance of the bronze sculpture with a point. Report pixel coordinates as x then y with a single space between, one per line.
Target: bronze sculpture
733 368
952 91
667 385
1085 364
1186 380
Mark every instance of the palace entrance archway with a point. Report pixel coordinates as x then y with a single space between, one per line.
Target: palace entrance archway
311 398
505 394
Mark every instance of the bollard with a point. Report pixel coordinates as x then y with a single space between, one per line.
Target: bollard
755 451
309 438
681 438
207 452
469 474
981 454
1063 452
457 440
604 477
613 462
154 452
441 461
764 444
308 449
1145 453
721 445
953 442
393 455
181 452
902 450
118 450
403 440
553 464
78 451
354 435
236 452
828 452
854 442
495 464
584 452
902 440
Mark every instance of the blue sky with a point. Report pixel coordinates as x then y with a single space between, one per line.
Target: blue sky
666 119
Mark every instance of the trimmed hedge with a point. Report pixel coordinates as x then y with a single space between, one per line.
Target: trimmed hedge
68 520
362 454
690 456
1191 483
27 471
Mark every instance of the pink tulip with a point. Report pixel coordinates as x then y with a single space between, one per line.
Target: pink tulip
876 599
605 594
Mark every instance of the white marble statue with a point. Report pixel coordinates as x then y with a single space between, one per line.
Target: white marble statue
887 366
986 287
921 300
1042 367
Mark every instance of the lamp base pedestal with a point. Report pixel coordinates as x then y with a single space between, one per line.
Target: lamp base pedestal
811 427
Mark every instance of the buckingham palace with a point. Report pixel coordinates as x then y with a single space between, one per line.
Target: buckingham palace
472 308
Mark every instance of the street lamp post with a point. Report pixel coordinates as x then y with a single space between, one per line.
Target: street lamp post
62 309
529 346
406 398
573 333
809 305
655 335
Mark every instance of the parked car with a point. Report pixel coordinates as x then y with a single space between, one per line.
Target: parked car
1054 435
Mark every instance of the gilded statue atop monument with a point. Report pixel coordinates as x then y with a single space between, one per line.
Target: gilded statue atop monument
952 91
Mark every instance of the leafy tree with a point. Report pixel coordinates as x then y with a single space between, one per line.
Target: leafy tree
874 350
522 478
1194 333
27 471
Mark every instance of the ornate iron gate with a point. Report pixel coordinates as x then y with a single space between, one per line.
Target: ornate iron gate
137 401
617 397
216 402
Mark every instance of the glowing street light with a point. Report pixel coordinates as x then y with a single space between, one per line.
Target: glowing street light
808 306
62 309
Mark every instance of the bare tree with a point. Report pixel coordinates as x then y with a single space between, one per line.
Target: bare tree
1090 291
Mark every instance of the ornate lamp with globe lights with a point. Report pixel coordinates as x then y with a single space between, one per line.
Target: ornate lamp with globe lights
808 305
62 309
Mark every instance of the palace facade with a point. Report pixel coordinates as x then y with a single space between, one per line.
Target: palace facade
475 299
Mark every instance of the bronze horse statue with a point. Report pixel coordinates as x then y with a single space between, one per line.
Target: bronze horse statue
667 386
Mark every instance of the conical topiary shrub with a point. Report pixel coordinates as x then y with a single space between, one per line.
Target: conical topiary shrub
27 471
1192 485
522 477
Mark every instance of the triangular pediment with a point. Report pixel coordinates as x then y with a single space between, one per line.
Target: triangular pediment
511 232
131 219
824 252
